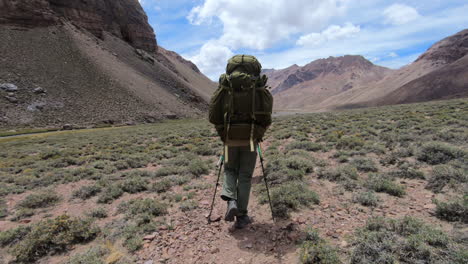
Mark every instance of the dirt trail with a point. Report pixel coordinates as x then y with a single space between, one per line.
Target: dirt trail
191 240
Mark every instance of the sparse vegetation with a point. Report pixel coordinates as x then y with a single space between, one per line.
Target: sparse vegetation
316 250
86 192
289 197
362 151
98 213
39 200
381 184
367 199
456 210
438 153
53 236
406 240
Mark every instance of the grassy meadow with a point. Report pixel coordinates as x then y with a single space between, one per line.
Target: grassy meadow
65 189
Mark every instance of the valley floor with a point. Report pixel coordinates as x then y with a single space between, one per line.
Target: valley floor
380 185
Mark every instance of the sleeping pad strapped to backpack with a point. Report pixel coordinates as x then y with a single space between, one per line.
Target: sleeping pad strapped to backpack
241 107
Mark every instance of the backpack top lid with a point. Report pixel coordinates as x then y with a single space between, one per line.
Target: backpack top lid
247 62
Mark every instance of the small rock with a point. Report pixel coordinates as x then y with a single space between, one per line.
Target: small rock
25 221
301 220
67 127
12 99
9 87
430 206
214 251
249 245
171 116
344 243
150 237
163 227
36 107
39 90
148 262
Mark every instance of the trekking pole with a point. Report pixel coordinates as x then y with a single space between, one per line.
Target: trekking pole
265 179
220 166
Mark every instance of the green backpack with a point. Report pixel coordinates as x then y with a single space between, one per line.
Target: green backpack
241 107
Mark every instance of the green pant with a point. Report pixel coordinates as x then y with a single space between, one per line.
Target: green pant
238 172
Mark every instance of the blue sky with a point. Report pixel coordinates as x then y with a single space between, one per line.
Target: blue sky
285 32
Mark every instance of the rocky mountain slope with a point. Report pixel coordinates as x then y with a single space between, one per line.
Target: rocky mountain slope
86 63
300 87
439 73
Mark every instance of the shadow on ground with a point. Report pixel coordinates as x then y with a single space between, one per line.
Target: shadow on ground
276 239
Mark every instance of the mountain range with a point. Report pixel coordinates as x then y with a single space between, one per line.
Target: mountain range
352 81
87 63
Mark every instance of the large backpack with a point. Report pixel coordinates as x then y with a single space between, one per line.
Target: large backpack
241 107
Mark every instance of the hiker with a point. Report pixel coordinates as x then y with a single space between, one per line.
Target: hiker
241 111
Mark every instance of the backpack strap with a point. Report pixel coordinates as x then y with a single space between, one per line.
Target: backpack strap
252 125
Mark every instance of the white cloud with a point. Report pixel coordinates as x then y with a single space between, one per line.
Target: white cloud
376 42
392 54
333 32
262 23
399 14
212 58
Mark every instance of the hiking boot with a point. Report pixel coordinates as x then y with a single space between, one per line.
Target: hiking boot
231 210
242 221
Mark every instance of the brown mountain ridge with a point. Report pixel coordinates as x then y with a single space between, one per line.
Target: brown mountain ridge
352 81
86 63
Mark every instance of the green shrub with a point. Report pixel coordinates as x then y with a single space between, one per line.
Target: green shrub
298 163
39 200
320 252
198 167
436 153
382 184
3 209
456 210
350 142
305 145
161 186
93 255
406 240
23 213
367 199
53 236
443 174
137 207
206 150
86 192
288 197
342 173
110 193
188 205
13 236
50 154
405 171
133 244
316 250
167 170
365 165
341 156
179 179
135 184
98 213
